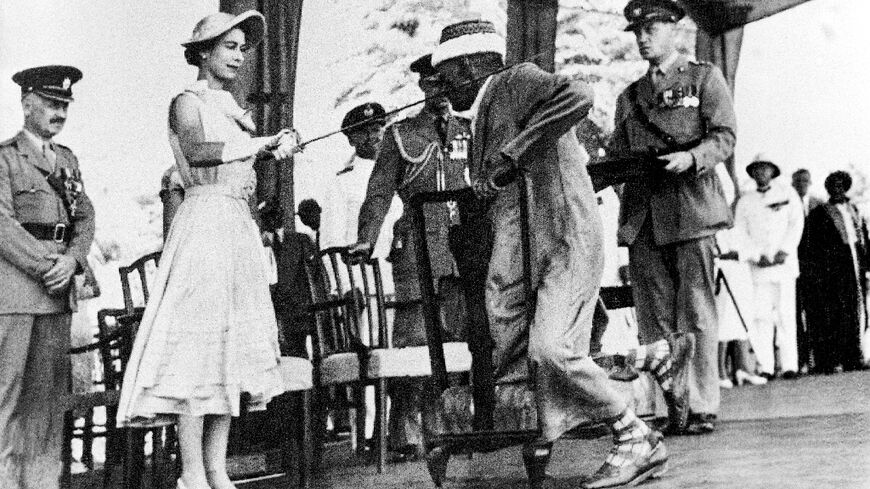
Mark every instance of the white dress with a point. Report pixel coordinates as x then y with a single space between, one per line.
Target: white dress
208 333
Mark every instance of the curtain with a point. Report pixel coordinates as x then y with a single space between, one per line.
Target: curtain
267 84
531 32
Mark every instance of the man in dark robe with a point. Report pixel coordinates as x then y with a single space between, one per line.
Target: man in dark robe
835 263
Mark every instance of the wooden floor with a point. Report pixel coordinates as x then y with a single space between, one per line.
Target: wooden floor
811 433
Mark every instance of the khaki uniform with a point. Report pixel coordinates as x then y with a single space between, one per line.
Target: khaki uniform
414 159
34 326
527 115
669 223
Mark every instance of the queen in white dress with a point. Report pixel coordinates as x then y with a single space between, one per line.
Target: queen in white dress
208 333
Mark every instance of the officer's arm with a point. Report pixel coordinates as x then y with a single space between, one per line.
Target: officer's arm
379 193
547 106
17 246
83 230
185 120
717 111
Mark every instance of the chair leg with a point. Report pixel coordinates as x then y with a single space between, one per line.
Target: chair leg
114 438
158 455
306 449
319 399
536 456
282 407
381 412
359 415
66 452
127 458
88 440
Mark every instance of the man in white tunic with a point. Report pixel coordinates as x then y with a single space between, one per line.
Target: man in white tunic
770 220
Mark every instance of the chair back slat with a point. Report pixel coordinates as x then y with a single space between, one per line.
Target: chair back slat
374 303
117 338
328 304
347 302
384 333
141 268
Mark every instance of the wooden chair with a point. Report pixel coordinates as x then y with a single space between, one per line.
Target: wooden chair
163 434
141 268
82 406
352 344
128 444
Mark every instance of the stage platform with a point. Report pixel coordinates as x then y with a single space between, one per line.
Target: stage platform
812 433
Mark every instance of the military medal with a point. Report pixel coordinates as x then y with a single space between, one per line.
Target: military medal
72 184
459 147
691 102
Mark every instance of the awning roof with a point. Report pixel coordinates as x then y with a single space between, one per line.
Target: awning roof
717 16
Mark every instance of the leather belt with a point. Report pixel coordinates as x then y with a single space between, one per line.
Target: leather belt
59 233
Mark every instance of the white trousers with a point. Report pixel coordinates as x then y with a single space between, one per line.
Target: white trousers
774 310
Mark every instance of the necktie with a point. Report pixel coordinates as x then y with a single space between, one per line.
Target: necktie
656 75
49 153
443 124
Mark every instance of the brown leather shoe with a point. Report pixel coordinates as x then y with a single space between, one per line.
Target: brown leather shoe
650 466
682 351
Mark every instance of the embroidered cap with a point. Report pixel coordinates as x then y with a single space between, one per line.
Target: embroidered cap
640 12
252 23
468 37
54 82
760 160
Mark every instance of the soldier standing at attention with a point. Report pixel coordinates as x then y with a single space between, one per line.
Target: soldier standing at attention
683 109
422 153
46 229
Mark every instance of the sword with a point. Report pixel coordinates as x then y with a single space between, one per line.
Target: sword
439 94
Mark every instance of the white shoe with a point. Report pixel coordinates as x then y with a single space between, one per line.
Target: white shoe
746 377
725 384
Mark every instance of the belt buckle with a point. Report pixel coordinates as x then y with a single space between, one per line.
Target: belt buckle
59 233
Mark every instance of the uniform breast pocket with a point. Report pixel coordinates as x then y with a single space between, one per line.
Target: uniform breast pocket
683 123
35 204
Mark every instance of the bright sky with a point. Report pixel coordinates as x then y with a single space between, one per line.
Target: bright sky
802 89
801 96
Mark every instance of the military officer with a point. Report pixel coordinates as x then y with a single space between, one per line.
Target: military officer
46 229
364 128
425 152
683 109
